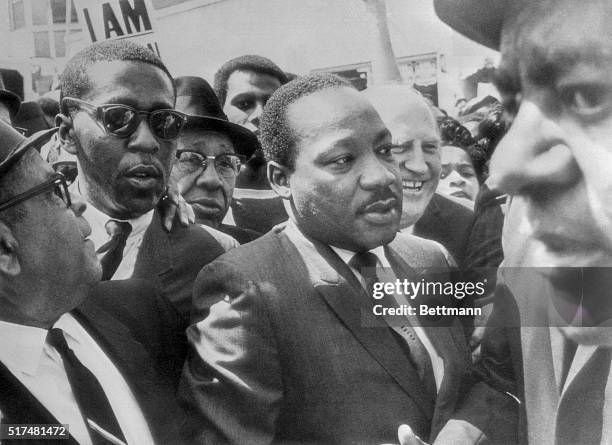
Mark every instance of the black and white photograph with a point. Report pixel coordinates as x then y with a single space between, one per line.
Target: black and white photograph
306 222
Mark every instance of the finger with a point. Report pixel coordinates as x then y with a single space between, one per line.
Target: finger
407 437
190 213
170 209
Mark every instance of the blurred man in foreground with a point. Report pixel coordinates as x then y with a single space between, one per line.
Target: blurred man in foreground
550 337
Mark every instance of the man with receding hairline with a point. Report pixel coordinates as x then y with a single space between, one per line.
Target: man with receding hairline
286 346
118 118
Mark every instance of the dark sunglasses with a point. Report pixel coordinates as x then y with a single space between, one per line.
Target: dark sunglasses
226 165
122 120
57 184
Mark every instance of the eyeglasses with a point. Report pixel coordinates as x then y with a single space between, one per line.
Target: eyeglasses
21 130
226 165
57 184
122 120
68 169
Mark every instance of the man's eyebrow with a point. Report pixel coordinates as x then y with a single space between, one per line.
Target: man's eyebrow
243 96
382 135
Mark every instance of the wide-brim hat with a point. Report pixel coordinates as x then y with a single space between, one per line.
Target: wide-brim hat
31 118
479 20
196 98
11 100
11 146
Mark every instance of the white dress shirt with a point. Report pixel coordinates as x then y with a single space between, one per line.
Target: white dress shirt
39 367
437 363
97 220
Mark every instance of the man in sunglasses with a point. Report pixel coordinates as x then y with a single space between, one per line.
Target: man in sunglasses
118 118
65 359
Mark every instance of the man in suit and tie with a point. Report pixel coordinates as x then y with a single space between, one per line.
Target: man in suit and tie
286 346
549 340
64 360
117 101
415 133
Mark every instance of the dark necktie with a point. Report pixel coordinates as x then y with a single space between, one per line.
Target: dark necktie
365 263
113 249
89 395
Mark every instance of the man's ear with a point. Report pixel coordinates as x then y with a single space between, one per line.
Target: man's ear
66 133
279 178
9 260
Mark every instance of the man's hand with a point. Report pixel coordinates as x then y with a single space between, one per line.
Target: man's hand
407 437
173 204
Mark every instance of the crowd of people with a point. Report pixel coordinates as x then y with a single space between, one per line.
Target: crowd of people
191 263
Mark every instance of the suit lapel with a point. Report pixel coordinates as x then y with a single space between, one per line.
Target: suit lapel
442 339
129 356
155 253
337 284
19 406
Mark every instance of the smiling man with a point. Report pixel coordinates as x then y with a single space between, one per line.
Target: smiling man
415 134
282 348
118 118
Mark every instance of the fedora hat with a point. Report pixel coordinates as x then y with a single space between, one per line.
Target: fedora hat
196 98
12 146
31 118
479 20
10 99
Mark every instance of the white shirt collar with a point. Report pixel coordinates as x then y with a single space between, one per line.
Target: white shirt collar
292 230
97 220
21 347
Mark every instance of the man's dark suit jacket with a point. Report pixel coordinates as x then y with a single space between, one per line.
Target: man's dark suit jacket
134 349
288 359
448 223
240 234
174 259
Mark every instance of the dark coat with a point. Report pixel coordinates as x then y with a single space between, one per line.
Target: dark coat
285 356
132 350
448 223
174 259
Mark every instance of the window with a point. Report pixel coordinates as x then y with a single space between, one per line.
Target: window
58 11
42 48
40 12
17 14
60 43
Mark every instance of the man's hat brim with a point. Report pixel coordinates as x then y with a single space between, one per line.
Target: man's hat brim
11 100
245 142
479 20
